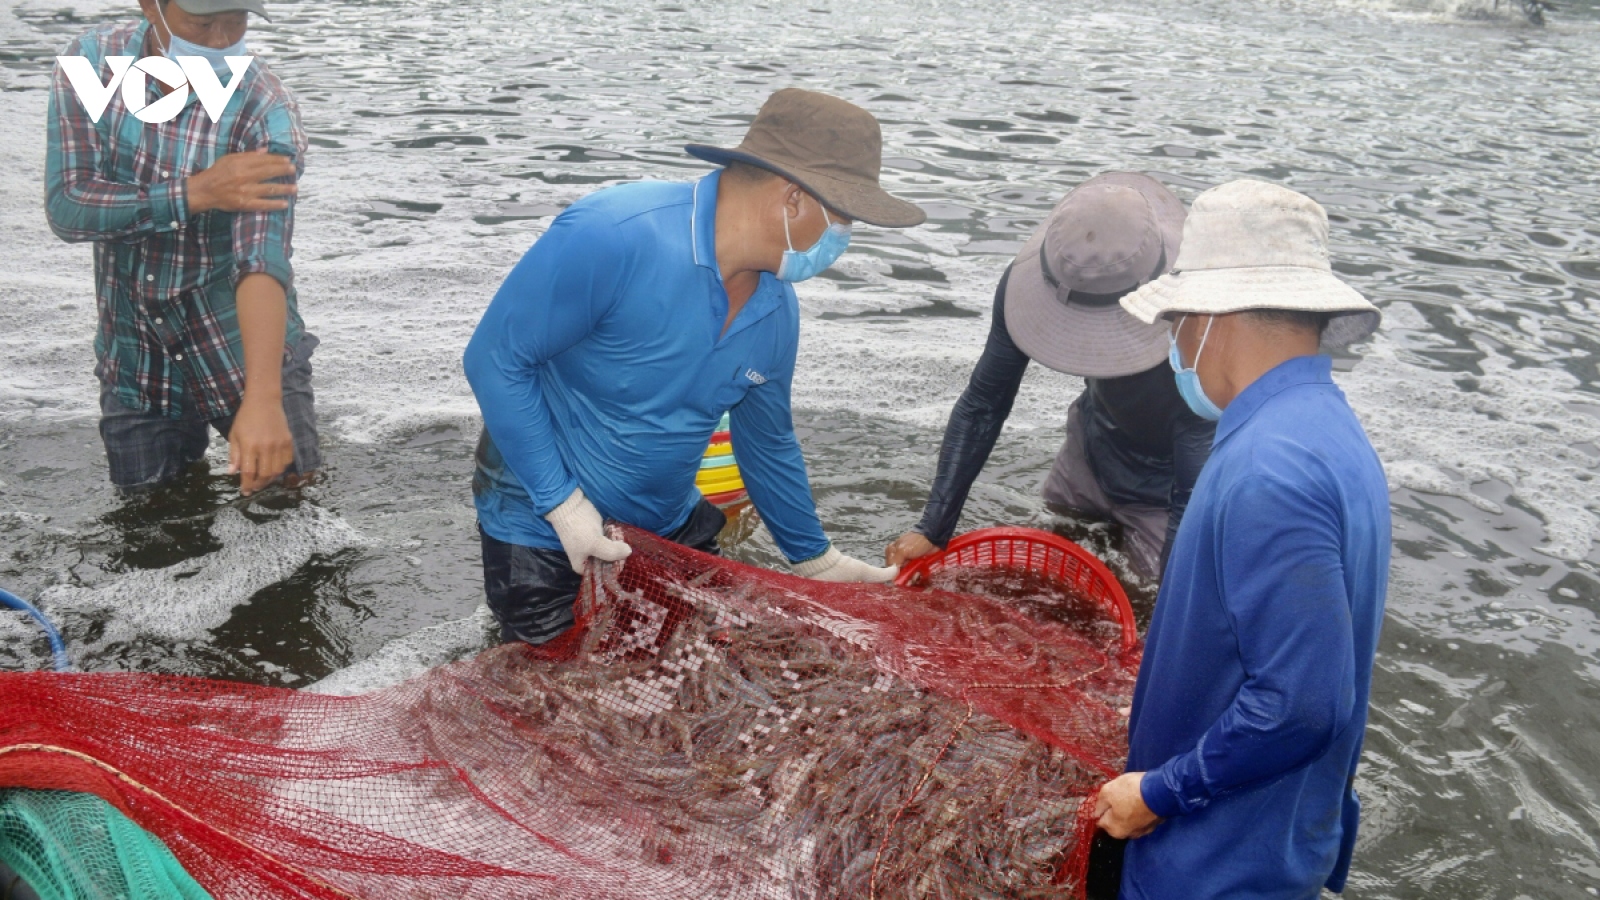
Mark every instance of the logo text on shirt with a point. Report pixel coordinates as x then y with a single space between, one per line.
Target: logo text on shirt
755 376
188 72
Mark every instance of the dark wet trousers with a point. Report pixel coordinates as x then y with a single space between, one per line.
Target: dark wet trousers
147 449
531 590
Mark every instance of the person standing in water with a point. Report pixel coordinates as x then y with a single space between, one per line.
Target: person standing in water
646 311
191 222
1133 449
1251 702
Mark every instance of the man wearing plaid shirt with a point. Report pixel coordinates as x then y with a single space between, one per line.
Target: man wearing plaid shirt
191 221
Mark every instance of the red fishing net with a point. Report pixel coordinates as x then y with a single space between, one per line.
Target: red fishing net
710 730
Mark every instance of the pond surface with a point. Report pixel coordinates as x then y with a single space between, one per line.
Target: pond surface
1454 147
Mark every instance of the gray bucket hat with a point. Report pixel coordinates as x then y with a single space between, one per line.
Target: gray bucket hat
1112 233
1253 245
212 7
830 147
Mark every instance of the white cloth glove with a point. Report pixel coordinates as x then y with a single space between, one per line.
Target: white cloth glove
835 566
578 525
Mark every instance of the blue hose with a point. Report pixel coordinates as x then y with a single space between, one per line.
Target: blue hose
57 647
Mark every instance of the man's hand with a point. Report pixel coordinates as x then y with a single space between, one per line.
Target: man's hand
582 532
241 182
1121 810
835 566
909 546
260 446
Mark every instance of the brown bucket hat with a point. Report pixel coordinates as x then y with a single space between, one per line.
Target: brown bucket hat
1112 233
830 147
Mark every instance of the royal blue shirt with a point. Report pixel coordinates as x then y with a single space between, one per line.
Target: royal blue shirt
1251 702
602 363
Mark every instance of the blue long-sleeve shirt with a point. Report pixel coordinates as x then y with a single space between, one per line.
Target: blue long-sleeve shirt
1251 702
602 363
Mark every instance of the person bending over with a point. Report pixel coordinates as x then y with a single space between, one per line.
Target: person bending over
1133 449
645 312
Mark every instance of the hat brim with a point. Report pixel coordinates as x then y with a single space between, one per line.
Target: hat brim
213 7
1221 291
867 203
1088 341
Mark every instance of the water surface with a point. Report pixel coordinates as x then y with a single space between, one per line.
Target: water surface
1454 147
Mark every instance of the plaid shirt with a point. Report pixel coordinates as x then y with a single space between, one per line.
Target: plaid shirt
165 279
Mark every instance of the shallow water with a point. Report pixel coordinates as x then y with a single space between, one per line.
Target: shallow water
1454 147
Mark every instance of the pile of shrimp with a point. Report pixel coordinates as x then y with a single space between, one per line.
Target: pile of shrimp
781 752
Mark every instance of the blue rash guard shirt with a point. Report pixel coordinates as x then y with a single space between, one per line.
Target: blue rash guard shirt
1251 703
601 362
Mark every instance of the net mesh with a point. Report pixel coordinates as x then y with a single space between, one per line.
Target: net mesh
708 730
72 846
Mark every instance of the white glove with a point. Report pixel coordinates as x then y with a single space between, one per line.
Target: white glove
577 524
835 566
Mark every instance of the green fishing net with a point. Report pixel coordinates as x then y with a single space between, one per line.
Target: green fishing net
72 846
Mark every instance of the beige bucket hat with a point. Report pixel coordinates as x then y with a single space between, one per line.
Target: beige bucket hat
1253 245
829 146
1112 233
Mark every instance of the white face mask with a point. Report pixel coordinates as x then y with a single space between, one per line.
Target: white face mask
177 46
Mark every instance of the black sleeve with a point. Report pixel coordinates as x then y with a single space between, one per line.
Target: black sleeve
974 425
1191 447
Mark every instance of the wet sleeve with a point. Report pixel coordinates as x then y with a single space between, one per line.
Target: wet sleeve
81 202
974 425
1283 589
263 241
1191 447
761 429
553 299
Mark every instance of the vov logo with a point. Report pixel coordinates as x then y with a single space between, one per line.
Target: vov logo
188 72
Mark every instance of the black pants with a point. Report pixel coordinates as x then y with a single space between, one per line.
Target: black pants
1105 867
531 590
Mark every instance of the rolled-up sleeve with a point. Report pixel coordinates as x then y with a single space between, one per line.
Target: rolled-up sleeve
264 241
1283 589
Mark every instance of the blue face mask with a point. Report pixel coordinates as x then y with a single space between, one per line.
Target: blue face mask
177 46
1189 379
798 265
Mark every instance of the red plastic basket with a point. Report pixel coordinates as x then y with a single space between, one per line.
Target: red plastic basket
1035 551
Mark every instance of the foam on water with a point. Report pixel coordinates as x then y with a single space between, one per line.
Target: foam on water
1496 12
19 637
187 600
895 372
410 656
1444 432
